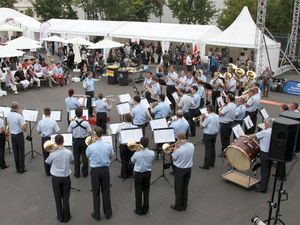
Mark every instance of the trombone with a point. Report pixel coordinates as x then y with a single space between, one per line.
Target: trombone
133 146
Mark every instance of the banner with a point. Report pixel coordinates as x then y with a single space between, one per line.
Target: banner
292 87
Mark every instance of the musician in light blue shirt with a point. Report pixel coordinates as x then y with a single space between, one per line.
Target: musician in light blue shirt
89 84
142 160
211 127
240 111
162 110
201 92
194 110
46 127
71 103
61 183
252 107
140 114
100 154
101 108
180 125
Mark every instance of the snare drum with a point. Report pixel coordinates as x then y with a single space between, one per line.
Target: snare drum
241 152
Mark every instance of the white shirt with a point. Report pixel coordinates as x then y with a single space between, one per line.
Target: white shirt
228 113
172 76
185 103
188 60
47 126
264 138
183 156
211 124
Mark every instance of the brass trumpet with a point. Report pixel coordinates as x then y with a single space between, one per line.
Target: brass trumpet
50 146
90 139
133 146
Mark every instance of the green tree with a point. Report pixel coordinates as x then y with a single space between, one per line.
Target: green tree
29 12
61 9
7 3
278 17
193 11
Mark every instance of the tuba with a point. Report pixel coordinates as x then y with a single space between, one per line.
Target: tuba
239 72
90 139
50 146
251 75
133 146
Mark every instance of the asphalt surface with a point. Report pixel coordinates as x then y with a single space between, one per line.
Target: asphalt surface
28 199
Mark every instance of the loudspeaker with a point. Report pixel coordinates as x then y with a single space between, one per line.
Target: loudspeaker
283 139
293 116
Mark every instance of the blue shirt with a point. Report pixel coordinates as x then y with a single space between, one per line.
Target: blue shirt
264 138
228 112
99 154
162 110
143 160
201 91
60 162
183 156
101 106
15 122
71 103
156 90
203 78
47 126
90 84
57 70
240 112
139 114
253 103
181 126
211 124
78 131
197 100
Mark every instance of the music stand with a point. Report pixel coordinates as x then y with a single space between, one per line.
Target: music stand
55 115
163 135
85 114
68 142
5 110
264 114
114 128
128 134
30 116
123 108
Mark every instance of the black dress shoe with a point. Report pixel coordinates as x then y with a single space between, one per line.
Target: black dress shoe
95 217
67 219
221 155
259 189
204 167
175 208
4 167
138 213
24 171
77 176
172 173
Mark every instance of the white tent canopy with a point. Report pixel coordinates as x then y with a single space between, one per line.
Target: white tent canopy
7 51
78 41
54 38
241 34
106 44
23 43
7 27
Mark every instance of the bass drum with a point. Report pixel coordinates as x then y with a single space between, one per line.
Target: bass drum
241 152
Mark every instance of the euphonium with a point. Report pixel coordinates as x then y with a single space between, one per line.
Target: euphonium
167 148
90 139
133 146
50 146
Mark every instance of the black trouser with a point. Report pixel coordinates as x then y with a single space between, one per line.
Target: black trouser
47 167
89 102
101 120
126 166
181 183
142 189
100 179
193 113
2 151
61 189
170 90
265 170
253 117
214 96
79 148
18 145
210 150
225 133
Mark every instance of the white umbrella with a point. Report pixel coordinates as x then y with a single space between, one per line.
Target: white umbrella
78 41
8 27
23 43
106 44
55 39
6 51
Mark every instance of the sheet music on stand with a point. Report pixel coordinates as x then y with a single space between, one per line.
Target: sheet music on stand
85 114
164 135
248 122
5 110
167 100
30 114
93 102
158 124
175 96
238 131
131 134
220 102
145 103
114 127
125 98
68 139
108 139
55 115
264 113
82 101
123 108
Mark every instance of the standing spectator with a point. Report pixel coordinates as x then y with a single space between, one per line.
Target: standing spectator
267 77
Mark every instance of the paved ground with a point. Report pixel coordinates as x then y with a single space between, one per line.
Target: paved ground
28 199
